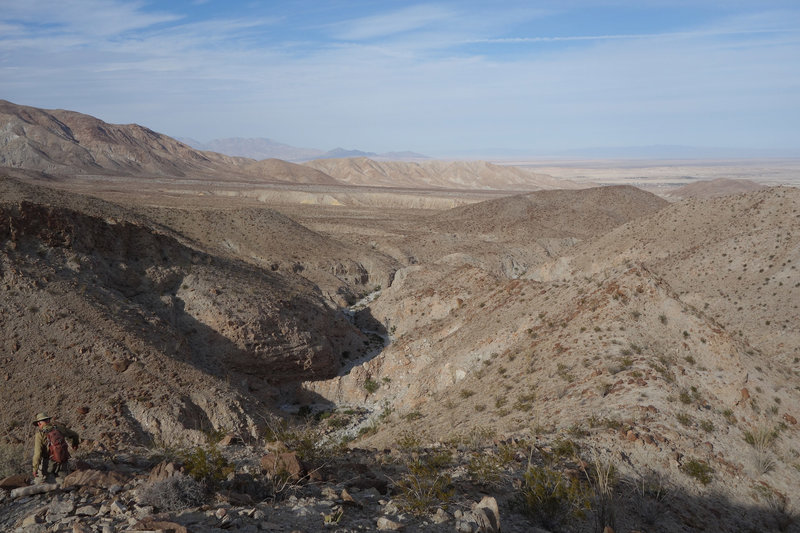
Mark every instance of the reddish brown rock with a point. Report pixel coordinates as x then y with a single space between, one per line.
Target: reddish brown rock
790 419
94 478
13 482
284 463
149 524
745 396
164 470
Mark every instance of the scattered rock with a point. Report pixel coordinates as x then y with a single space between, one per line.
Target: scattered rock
157 525
385 524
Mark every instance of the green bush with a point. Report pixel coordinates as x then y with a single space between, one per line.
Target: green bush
550 499
206 465
371 386
487 469
426 485
699 470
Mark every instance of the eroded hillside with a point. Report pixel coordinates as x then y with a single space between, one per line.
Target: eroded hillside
669 340
172 338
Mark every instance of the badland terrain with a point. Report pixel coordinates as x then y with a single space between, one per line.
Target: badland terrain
154 296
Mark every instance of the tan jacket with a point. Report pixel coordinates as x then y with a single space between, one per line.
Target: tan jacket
41 443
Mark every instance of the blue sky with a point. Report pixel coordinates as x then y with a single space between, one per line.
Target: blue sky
433 77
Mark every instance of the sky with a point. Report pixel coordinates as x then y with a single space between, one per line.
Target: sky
438 78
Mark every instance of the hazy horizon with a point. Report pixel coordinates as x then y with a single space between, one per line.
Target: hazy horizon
435 78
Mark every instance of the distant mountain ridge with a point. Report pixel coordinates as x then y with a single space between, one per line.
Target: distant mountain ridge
70 144
255 148
263 148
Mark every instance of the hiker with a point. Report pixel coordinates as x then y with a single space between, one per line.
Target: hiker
50 452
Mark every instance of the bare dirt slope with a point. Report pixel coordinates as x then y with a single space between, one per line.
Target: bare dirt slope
715 187
175 339
436 174
505 236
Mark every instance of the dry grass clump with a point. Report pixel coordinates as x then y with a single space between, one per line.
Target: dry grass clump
762 439
175 493
426 485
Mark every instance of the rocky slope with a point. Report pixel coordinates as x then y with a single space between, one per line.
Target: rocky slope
174 339
654 345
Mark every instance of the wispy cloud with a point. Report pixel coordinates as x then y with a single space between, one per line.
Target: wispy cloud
404 20
426 77
95 18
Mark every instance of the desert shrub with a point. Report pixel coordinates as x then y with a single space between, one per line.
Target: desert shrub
602 481
488 469
426 484
206 465
13 460
549 498
685 397
564 449
371 386
650 491
699 470
776 512
175 493
684 419
762 439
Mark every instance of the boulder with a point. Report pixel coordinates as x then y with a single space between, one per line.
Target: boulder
34 489
13 482
487 515
274 464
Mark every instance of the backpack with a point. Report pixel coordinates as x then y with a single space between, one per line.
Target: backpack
57 446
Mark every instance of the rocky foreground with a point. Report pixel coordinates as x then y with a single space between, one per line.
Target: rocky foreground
306 483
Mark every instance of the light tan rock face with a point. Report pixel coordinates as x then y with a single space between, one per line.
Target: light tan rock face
437 174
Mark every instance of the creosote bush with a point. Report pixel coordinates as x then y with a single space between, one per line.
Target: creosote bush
206 465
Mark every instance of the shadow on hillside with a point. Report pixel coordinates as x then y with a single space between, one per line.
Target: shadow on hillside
654 504
377 338
685 511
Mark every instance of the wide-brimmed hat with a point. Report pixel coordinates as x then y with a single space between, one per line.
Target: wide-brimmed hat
40 417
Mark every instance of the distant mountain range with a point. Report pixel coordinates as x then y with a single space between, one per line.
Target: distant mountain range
65 143
261 148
